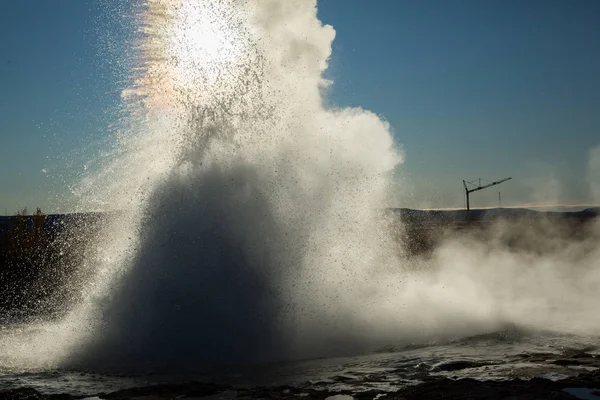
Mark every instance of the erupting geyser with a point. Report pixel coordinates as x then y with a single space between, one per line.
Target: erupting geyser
248 212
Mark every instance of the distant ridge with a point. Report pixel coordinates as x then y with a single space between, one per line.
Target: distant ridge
450 216
409 215
594 211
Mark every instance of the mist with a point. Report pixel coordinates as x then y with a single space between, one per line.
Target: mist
257 232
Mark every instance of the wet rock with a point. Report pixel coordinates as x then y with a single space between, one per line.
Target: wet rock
31 394
574 362
567 359
459 365
441 388
20 394
470 389
345 378
431 387
195 389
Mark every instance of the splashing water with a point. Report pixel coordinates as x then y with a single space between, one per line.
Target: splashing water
255 206
249 224
247 211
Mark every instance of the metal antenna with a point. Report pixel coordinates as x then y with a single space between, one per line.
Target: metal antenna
479 187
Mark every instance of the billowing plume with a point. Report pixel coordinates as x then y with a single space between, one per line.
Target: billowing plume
252 213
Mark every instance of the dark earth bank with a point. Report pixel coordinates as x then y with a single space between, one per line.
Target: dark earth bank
42 257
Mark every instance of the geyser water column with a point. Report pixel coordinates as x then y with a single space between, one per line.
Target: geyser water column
250 215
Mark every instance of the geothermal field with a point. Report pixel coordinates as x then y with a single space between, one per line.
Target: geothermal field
236 242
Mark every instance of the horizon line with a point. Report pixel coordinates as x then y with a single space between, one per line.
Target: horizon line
525 205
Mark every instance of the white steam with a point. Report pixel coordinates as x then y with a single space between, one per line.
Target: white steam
252 213
542 184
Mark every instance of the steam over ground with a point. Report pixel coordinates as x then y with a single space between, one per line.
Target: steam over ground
251 225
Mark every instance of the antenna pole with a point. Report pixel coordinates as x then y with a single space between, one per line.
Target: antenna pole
467 194
479 187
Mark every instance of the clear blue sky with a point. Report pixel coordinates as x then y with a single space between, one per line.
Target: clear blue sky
472 88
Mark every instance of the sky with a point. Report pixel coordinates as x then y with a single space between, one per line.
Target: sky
471 88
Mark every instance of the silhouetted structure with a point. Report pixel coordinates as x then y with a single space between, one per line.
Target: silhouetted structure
479 187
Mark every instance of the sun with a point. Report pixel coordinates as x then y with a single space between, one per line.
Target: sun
202 42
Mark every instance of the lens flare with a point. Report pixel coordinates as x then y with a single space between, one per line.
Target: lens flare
203 42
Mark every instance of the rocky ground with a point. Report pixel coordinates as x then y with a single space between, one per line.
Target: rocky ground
571 375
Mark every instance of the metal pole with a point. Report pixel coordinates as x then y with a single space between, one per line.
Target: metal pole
468 205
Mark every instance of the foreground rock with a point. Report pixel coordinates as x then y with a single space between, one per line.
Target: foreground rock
579 368
435 388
